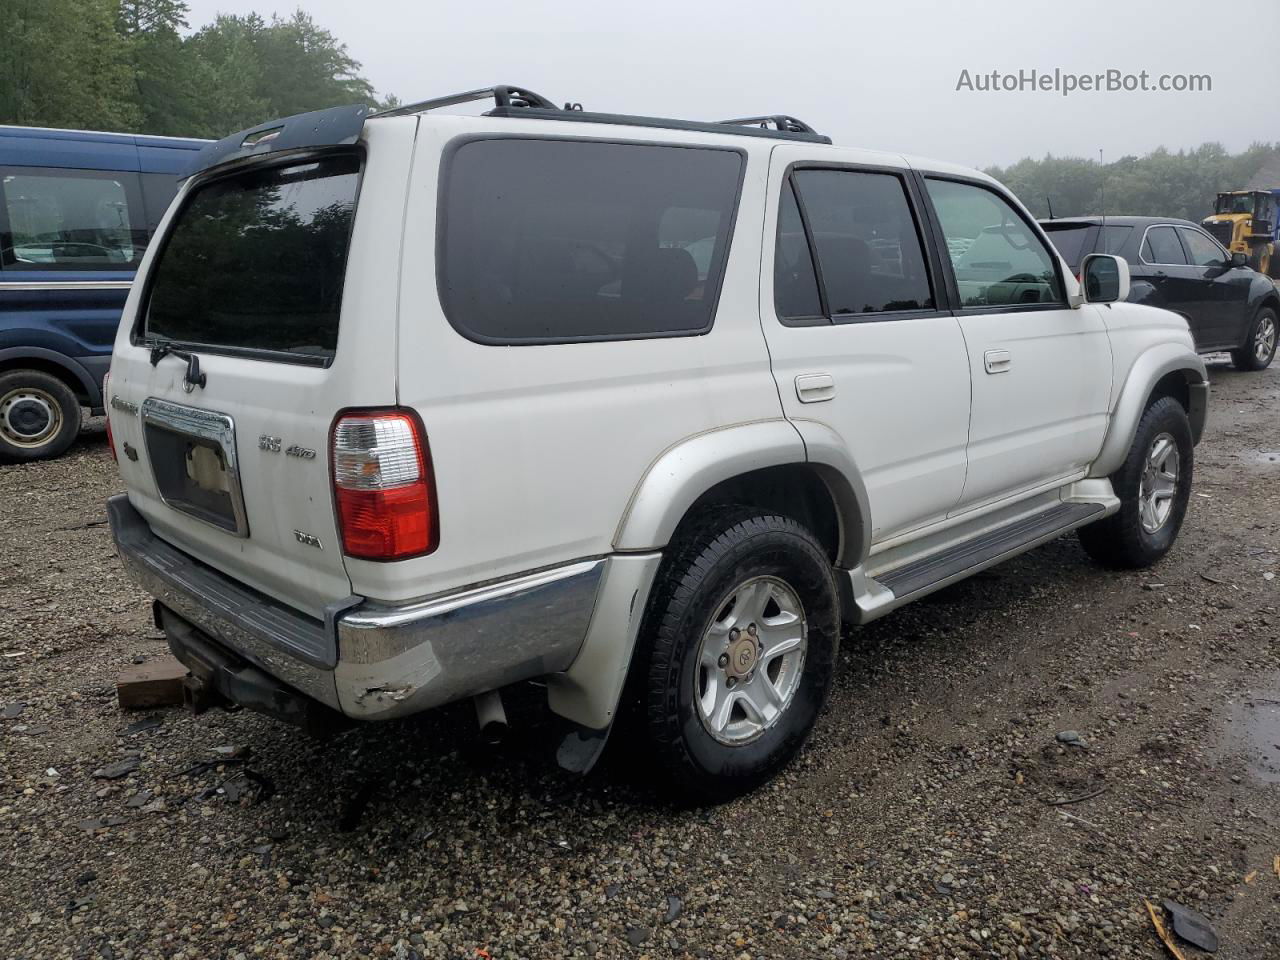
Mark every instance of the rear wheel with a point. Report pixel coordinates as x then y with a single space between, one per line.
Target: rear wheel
739 649
1154 485
1260 349
39 416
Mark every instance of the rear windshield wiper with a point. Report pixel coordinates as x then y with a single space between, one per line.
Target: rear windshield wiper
193 376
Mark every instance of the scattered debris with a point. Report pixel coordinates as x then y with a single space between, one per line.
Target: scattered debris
638 935
1209 579
1275 865
236 750
1071 738
154 684
675 907
139 799
12 711
1153 586
613 889
1269 575
121 768
1192 927
143 725
98 824
1088 796
1250 877
1162 931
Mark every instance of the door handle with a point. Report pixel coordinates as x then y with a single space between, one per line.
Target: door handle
815 387
997 361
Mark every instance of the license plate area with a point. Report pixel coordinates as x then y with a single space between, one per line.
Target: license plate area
193 460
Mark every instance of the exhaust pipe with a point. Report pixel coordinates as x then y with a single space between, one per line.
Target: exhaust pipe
491 716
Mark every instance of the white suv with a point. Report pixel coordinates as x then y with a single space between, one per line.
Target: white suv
412 407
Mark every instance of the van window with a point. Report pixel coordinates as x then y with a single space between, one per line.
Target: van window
255 262
998 259
868 247
556 241
71 220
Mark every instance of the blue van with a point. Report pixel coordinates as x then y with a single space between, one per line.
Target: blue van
76 211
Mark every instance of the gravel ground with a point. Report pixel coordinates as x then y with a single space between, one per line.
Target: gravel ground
920 822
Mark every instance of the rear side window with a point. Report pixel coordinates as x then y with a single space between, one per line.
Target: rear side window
868 248
1071 241
70 220
255 262
546 241
1161 246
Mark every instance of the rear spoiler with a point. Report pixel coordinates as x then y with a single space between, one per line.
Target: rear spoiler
337 126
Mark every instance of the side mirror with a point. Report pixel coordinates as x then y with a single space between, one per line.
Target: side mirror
1105 278
1238 260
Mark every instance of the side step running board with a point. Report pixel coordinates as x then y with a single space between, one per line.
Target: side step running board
889 590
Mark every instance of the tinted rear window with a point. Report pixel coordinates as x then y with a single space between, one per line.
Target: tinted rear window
1070 242
555 241
255 262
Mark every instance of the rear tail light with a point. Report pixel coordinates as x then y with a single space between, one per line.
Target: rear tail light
106 403
382 484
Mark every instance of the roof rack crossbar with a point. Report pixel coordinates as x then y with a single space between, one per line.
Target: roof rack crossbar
503 95
777 121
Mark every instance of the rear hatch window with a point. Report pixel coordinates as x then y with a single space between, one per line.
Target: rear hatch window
254 263
1070 241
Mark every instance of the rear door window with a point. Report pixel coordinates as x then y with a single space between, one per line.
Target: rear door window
56 219
1161 246
553 241
869 251
254 262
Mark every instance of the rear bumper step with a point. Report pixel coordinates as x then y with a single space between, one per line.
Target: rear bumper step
366 660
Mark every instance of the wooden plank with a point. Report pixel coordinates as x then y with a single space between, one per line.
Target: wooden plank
156 683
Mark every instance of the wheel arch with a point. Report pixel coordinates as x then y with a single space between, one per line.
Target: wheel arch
801 469
1166 370
59 365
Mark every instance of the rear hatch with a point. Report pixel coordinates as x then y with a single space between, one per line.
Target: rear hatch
259 314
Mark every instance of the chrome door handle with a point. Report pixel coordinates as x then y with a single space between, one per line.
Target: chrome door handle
997 361
815 387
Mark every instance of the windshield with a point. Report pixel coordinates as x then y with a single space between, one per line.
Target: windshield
255 262
1235 203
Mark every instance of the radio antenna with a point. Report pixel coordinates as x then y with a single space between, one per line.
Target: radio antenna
1102 168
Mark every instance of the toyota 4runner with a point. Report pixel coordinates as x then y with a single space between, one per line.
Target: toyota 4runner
412 407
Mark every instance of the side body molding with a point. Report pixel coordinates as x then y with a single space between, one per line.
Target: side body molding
686 470
1150 367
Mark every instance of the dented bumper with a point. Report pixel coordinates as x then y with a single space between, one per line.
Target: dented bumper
370 661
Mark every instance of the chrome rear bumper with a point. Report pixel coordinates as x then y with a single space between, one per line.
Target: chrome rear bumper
371 660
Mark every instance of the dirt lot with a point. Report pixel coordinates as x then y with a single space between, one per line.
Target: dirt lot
924 820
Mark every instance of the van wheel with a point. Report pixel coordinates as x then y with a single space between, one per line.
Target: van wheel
1260 349
1154 485
39 416
741 641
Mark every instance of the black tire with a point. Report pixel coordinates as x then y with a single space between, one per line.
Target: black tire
727 550
1246 358
39 416
1121 540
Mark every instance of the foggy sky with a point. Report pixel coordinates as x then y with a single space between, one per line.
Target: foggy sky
877 74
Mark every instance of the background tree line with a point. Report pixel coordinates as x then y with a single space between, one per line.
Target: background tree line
1161 184
134 66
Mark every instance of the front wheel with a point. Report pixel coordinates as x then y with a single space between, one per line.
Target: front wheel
1154 485
739 649
1260 349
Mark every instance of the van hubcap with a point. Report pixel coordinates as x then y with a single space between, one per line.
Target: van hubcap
29 417
1264 342
750 660
1159 483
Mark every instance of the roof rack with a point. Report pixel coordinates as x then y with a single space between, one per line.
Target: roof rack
512 101
780 122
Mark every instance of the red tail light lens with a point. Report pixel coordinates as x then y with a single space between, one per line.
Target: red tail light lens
382 485
106 403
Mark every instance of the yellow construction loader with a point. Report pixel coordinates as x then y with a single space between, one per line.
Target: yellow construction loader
1248 222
